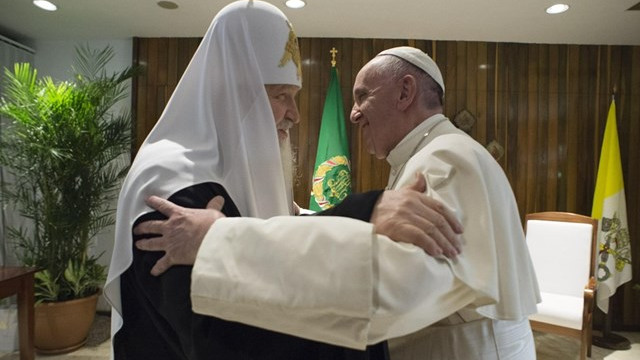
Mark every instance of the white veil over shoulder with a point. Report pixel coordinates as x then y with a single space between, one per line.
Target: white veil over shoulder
217 127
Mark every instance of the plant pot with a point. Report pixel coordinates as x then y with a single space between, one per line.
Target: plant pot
62 327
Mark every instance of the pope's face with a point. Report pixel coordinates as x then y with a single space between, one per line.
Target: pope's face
284 107
373 96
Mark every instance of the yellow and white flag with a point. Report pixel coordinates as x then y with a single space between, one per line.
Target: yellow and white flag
609 207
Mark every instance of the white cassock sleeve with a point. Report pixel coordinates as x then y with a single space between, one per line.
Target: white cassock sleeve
328 279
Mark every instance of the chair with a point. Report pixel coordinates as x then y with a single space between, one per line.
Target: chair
563 250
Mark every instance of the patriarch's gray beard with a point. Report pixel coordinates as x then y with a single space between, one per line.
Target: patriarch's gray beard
287 157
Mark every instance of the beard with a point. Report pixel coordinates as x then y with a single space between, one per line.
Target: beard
287 158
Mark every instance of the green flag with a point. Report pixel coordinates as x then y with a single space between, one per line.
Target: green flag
332 174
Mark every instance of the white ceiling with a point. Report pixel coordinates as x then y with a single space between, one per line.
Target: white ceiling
525 21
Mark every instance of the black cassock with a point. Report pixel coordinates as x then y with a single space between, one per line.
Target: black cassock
159 323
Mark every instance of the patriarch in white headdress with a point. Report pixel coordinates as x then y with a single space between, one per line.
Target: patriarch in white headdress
217 117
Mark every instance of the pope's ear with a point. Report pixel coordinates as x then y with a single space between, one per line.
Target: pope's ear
408 90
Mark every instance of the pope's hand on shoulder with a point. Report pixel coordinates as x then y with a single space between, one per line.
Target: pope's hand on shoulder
180 235
408 215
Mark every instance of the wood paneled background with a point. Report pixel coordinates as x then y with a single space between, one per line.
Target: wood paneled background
545 104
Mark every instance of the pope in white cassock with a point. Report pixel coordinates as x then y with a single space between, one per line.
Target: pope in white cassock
485 295
472 307
218 136
367 288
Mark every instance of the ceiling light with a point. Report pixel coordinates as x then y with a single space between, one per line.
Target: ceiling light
557 9
45 5
295 4
169 5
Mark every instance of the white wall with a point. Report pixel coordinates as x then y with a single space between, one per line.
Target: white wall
10 53
54 58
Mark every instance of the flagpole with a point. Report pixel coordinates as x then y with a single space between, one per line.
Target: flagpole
608 339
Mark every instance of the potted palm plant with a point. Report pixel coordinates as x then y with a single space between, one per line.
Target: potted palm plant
64 148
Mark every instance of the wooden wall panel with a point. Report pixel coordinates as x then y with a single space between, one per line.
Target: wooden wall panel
551 133
164 61
545 104
630 149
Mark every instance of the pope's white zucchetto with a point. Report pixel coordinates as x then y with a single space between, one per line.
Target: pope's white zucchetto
418 58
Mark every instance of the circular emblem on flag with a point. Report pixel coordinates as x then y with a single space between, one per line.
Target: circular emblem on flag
331 181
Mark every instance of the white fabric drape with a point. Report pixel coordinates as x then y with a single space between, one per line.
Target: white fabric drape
495 261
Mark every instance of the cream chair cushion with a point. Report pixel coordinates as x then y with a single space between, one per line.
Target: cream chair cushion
561 253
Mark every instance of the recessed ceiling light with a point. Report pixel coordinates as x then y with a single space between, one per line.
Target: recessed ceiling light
557 9
295 4
169 5
45 5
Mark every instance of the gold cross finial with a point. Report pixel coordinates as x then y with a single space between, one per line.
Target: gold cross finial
333 52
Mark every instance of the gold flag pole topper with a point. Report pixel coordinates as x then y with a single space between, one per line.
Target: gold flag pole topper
333 52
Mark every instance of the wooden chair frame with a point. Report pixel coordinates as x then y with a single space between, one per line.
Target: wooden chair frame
585 334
